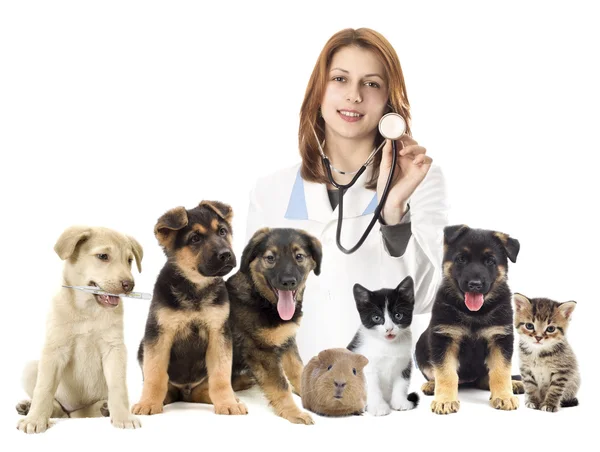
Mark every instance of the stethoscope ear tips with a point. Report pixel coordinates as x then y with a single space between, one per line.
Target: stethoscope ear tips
392 126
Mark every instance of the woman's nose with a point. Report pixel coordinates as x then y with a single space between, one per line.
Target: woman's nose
353 95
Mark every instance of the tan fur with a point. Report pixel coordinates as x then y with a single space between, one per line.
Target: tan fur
201 229
446 383
186 263
226 216
279 335
293 367
500 380
491 332
456 332
83 362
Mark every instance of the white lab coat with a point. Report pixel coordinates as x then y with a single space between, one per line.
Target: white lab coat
330 318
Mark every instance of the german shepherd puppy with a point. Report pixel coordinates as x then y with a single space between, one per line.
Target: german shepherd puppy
470 336
266 307
186 352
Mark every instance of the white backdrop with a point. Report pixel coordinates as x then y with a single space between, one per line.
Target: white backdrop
113 112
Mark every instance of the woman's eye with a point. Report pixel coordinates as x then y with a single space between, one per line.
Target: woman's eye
398 316
223 232
372 84
299 257
338 79
195 239
102 257
529 326
550 329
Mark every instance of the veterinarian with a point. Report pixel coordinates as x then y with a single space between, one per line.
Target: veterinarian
356 80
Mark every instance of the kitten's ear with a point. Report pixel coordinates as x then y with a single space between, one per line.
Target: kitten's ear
407 289
360 361
522 303
567 308
361 295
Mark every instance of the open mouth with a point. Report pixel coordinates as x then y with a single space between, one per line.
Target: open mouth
350 115
390 336
473 300
105 300
286 303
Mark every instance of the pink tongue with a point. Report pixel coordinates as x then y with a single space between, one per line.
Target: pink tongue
474 301
113 301
285 305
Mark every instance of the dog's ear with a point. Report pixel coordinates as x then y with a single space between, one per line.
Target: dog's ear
511 246
167 226
251 250
69 239
138 252
451 233
316 250
407 289
522 303
221 209
361 294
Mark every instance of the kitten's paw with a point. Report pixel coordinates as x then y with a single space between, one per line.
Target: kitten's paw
428 388
445 407
507 403
23 407
549 408
402 404
31 425
518 387
532 405
379 409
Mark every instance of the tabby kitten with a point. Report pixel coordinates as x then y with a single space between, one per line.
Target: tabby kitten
548 364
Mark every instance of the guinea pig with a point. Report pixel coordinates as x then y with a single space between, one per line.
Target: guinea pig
333 383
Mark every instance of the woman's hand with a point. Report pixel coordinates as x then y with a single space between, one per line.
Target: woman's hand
412 166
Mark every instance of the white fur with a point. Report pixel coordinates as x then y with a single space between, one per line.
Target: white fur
83 361
386 388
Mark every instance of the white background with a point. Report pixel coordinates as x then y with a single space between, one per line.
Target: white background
113 112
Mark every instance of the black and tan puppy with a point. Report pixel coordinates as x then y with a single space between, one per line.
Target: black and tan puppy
470 336
266 308
186 353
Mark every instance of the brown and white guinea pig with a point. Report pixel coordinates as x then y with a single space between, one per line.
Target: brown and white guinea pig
333 383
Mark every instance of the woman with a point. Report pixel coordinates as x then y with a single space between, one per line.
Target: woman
357 79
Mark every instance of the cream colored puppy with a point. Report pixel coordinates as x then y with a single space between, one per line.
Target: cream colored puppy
82 369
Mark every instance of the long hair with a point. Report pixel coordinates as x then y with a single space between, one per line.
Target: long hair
312 167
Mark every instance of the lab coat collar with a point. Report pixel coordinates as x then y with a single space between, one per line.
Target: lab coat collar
310 201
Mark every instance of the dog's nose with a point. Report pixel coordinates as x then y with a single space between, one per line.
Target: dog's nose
289 282
127 285
224 256
339 384
475 284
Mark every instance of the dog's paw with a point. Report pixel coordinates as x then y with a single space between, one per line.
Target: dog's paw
445 407
518 387
23 407
31 425
379 409
298 417
147 408
549 408
126 421
505 403
231 408
428 388
104 410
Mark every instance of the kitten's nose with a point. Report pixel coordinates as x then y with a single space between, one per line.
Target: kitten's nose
538 338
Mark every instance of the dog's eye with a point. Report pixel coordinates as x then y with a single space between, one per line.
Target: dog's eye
270 259
376 318
223 232
195 239
529 326
490 261
354 371
329 367
299 257
398 316
550 329
102 257
130 261
460 259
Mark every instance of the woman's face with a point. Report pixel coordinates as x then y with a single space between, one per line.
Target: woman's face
356 93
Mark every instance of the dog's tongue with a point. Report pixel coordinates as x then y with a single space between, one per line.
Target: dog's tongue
474 301
285 305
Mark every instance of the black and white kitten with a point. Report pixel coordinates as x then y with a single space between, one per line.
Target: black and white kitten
385 339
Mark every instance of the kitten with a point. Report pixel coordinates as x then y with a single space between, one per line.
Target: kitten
548 364
385 339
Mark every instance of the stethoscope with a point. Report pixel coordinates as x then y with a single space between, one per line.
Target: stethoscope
391 126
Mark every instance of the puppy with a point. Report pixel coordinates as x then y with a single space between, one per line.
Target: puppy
186 352
82 369
266 308
470 336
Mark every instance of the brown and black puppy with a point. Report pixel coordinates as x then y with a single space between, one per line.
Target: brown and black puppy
186 352
470 336
266 308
